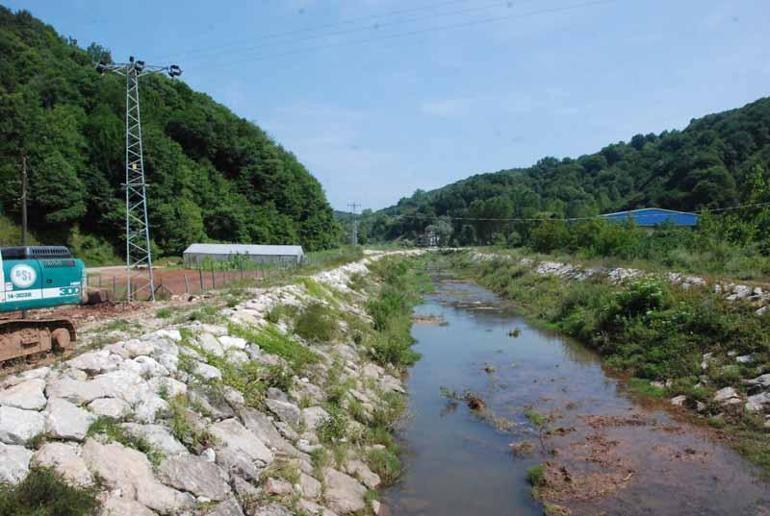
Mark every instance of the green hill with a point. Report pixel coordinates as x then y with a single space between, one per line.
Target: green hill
719 160
212 175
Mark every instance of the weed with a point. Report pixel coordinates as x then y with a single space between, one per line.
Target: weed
44 493
316 323
273 341
184 427
113 431
536 475
385 463
333 428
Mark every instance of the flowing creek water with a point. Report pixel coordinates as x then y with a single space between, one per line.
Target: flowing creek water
609 453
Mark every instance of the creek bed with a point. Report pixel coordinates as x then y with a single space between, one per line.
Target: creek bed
606 452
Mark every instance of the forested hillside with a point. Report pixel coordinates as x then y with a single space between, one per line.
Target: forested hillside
212 175
718 161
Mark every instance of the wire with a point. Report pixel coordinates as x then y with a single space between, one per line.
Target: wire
420 31
660 216
213 51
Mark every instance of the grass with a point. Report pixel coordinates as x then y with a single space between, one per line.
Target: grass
275 342
185 429
317 322
385 463
45 493
536 475
334 427
111 429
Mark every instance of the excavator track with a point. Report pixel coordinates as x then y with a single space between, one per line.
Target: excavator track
35 338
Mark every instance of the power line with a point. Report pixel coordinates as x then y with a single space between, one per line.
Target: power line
347 21
569 219
417 32
212 52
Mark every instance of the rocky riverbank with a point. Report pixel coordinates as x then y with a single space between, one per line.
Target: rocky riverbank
236 415
700 344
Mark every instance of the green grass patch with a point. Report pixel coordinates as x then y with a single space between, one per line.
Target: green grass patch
273 341
45 493
317 322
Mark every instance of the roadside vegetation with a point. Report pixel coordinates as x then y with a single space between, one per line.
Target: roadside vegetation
671 341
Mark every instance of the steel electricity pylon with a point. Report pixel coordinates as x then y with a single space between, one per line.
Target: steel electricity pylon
138 250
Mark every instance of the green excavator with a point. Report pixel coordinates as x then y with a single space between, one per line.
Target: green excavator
34 277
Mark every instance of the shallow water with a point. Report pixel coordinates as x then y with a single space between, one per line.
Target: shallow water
635 460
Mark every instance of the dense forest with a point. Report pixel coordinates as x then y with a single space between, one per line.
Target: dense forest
213 176
718 161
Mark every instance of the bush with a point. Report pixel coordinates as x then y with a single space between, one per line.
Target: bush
45 493
333 428
316 323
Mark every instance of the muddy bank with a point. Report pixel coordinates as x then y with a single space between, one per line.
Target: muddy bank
550 416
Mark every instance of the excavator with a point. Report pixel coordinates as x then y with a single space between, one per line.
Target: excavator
34 277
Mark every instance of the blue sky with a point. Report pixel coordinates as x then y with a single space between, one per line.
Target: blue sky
381 97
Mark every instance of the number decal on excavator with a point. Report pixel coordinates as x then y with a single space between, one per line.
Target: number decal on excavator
69 291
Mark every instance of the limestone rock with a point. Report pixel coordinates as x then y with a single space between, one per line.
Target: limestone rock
758 402
311 488
17 426
287 412
76 391
95 362
228 507
169 386
65 459
207 372
210 344
229 342
130 471
343 493
14 463
148 407
116 505
135 348
727 395
273 509
762 380
362 472
66 420
678 401
27 395
110 407
233 435
277 487
157 436
313 416
195 475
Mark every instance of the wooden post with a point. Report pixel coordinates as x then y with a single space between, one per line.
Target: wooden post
186 284
200 273
115 288
213 278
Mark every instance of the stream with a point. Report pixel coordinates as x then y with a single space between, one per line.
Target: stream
607 452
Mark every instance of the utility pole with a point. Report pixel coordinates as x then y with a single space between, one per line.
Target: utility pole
138 251
24 188
354 236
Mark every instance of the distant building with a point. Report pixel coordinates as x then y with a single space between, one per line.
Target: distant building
651 217
197 254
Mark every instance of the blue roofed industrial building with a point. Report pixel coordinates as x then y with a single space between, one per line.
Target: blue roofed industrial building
651 217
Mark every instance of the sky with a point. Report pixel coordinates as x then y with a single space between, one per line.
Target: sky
378 98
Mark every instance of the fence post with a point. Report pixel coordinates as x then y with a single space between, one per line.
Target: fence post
213 278
200 273
186 284
114 288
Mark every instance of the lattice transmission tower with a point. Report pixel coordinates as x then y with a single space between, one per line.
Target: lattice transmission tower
138 250
354 234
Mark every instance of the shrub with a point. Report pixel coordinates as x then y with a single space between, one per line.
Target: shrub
275 342
316 323
45 493
111 429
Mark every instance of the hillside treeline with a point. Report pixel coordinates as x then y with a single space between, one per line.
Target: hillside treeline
718 161
212 175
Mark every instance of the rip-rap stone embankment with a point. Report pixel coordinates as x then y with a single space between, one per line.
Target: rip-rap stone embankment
156 423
